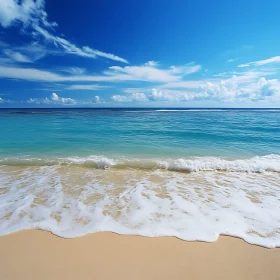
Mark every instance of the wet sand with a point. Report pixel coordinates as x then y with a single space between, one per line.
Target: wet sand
40 255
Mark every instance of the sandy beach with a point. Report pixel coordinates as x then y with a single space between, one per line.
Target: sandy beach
41 255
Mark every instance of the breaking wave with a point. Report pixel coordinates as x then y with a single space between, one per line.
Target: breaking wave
255 164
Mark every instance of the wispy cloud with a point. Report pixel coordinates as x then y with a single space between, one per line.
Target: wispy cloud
232 60
89 50
33 18
16 56
23 54
272 60
186 69
150 73
86 87
74 70
113 74
190 84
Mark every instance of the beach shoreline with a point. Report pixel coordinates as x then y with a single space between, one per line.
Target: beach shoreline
36 254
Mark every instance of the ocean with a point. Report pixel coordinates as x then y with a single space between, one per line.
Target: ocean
190 173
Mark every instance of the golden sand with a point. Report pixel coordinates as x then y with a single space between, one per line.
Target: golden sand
41 255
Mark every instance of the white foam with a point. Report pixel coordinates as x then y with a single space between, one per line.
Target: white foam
192 164
72 201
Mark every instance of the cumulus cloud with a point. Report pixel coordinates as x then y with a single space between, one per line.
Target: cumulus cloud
228 90
151 63
1 100
31 15
266 89
173 95
231 90
38 101
158 95
134 97
54 100
275 59
97 99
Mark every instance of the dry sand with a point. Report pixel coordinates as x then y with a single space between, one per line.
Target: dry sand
41 255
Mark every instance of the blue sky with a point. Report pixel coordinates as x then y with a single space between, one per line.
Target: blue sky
140 53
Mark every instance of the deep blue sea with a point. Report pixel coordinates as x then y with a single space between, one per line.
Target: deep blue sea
190 173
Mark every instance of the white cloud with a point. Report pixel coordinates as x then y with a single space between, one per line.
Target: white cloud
121 98
26 12
275 59
32 16
61 100
22 54
159 95
134 90
231 90
16 56
54 100
185 69
150 73
70 48
228 90
231 60
86 87
174 95
151 63
265 89
114 74
29 74
74 70
1 100
39 101
185 84
134 97
103 54
143 73
97 99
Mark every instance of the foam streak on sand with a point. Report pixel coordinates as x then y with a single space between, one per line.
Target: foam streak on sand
72 200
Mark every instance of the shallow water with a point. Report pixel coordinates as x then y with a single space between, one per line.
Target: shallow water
190 174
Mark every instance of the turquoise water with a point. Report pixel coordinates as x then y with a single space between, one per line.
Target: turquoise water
194 174
141 133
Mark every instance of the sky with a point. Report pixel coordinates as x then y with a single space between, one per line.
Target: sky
141 53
